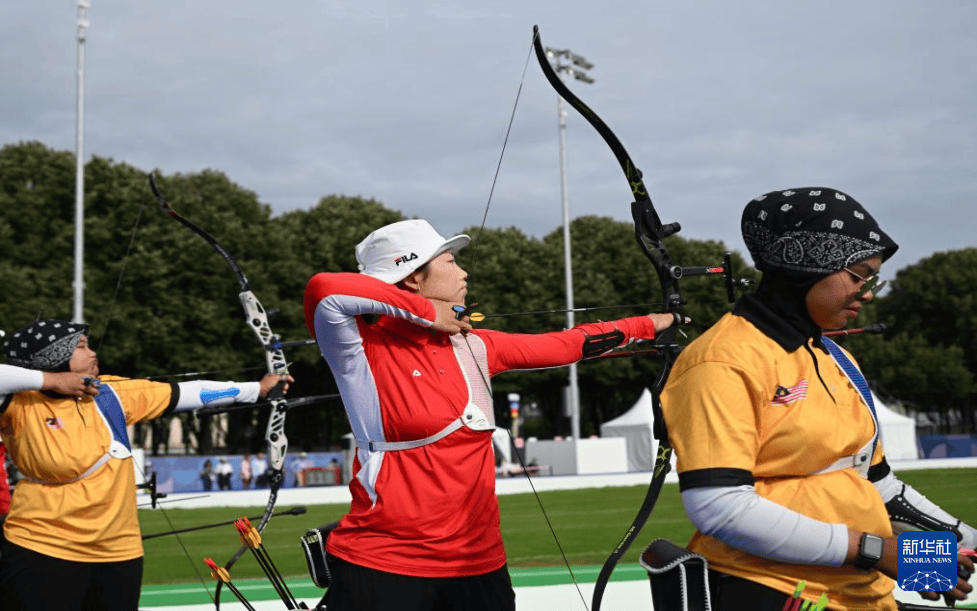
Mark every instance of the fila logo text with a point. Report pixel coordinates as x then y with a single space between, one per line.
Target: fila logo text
405 258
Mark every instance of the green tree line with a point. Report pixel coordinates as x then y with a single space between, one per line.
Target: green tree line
162 303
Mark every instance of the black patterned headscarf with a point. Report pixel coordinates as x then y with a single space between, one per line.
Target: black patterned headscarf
799 236
46 345
812 231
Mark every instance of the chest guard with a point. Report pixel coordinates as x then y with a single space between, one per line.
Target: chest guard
114 418
478 414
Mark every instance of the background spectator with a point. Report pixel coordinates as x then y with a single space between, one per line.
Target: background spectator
246 472
207 475
259 469
224 473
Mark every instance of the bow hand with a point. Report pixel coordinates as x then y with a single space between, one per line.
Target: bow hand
275 386
965 568
664 321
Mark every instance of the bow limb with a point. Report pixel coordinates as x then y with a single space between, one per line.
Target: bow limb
257 319
649 230
650 234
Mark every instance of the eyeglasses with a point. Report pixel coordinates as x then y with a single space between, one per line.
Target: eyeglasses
870 284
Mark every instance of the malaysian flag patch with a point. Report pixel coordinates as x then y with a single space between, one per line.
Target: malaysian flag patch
783 396
54 424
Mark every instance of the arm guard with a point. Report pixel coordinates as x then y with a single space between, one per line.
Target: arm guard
199 393
910 510
906 516
596 345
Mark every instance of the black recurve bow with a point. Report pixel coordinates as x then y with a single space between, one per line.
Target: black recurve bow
650 233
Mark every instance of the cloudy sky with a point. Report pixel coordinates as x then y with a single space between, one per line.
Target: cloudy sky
409 101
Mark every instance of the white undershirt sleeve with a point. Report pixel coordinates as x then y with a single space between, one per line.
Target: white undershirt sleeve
16 379
740 518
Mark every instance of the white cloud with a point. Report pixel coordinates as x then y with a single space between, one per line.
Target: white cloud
716 102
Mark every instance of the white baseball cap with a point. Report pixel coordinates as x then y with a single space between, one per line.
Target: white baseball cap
395 251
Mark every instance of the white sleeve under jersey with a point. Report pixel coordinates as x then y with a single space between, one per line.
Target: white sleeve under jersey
741 518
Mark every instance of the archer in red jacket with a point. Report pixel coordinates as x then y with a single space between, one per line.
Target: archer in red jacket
423 527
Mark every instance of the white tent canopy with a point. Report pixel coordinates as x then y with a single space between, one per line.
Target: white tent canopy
898 432
503 447
636 424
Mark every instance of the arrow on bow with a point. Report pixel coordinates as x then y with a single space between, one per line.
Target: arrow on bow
876 328
650 233
257 320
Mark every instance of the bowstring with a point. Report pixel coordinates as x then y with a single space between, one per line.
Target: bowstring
498 167
118 283
108 318
176 535
532 486
115 296
485 380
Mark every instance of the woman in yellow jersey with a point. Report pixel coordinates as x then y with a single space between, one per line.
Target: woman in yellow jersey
73 540
780 465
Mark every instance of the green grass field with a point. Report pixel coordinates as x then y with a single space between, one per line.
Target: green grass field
589 523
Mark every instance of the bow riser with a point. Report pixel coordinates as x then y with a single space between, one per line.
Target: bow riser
274 433
275 359
258 321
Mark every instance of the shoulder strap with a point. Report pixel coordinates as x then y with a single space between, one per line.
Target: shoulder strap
858 381
110 407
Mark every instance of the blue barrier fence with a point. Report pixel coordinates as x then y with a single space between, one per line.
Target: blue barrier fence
948 446
184 473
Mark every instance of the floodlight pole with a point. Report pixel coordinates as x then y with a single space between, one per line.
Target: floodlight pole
573 391
79 282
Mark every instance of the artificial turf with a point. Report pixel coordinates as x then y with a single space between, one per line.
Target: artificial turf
589 523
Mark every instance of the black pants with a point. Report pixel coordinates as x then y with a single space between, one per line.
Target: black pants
734 594
30 581
357 588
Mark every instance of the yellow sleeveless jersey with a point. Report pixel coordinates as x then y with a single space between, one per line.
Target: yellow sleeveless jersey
738 405
53 439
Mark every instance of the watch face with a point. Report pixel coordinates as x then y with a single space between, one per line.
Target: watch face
872 546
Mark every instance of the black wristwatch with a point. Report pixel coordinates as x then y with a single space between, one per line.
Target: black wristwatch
869 551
